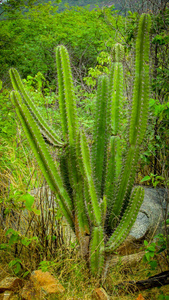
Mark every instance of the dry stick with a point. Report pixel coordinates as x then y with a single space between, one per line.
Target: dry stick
153 281
130 260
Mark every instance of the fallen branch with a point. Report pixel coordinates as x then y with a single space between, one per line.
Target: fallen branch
153 281
127 260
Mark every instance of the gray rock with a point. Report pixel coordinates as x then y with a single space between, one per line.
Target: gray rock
151 215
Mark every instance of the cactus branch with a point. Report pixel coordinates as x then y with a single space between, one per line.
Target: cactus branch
139 113
46 131
42 155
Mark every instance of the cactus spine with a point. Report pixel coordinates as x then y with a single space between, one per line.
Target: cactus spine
93 189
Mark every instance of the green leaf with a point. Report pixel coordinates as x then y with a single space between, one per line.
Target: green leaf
29 201
36 211
14 239
151 248
26 273
17 268
149 255
146 178
145 243
16 265
4 246
10 230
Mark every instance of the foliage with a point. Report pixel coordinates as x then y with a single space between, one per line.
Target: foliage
154 158
28 39
7 116
152 251
11 6
163 297
156 180
93 201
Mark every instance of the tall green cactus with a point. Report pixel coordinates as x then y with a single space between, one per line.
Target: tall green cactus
93 186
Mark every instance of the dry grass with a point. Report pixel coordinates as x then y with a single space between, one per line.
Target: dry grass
59 257
72 272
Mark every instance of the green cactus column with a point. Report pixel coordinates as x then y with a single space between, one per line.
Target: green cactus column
138 120
93 187
69 166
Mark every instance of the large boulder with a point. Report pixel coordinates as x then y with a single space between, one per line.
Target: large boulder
151 215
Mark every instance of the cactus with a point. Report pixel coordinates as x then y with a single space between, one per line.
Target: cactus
93 187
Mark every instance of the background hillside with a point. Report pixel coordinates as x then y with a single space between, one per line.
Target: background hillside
121 5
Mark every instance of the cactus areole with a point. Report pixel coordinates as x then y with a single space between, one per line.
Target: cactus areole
93 188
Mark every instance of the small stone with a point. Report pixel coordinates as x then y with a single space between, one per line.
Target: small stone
100 294
47 282
10 283
7 295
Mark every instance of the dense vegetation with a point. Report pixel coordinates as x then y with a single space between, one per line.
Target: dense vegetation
28 39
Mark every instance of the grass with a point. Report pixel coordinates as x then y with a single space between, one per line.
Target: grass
73 274
38 240
59 256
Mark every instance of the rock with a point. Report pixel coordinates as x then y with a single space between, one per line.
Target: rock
47 282
149 220
150 217
7 295
40 285
100 294
29 292
10 283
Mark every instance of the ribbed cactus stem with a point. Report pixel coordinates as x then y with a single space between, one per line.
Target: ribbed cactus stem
139 113
42 155
97 251
87 173
93 187
101 134
116 87
138 122
127 220
118 53
67 103
46 131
